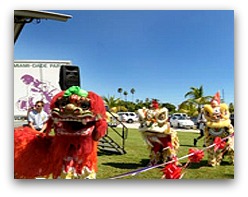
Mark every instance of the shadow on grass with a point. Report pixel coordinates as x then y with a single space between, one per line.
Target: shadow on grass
107 152
192 145
225 163
229 176
204 163
143 163
188 145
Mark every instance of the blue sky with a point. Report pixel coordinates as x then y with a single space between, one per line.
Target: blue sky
161 54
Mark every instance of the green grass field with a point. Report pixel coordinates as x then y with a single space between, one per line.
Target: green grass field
137 157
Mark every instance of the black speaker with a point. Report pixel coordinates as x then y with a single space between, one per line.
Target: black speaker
69 76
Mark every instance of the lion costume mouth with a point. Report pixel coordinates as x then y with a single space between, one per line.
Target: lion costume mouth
73 125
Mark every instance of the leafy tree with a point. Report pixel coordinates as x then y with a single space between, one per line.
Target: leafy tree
196 96
188 108
139 104
114 104
111 101
171 108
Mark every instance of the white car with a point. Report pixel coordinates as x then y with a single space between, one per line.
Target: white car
112 119
181 122
128 117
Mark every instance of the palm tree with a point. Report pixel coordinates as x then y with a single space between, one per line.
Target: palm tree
111 101
197 97
189 108
231 107
125 94
132 92
120 91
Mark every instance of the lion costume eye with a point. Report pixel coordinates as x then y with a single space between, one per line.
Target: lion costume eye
61 102
85 105
161 116
149 115
216 110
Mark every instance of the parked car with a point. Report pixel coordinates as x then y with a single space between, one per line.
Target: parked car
180 114
181 122
194 119
128 117
112 119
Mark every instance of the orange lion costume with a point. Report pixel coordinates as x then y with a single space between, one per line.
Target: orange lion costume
68 149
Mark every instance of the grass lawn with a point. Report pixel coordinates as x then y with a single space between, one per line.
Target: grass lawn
137 157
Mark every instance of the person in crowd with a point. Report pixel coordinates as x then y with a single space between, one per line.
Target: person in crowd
201 126
37 117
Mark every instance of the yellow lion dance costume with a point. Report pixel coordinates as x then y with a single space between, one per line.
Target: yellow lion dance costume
218 125
155 129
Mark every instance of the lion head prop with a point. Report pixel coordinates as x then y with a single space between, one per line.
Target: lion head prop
69 147
217 116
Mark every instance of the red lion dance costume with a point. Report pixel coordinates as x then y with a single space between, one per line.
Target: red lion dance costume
78 119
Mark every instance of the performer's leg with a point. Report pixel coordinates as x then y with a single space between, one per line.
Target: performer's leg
210 151
219 157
